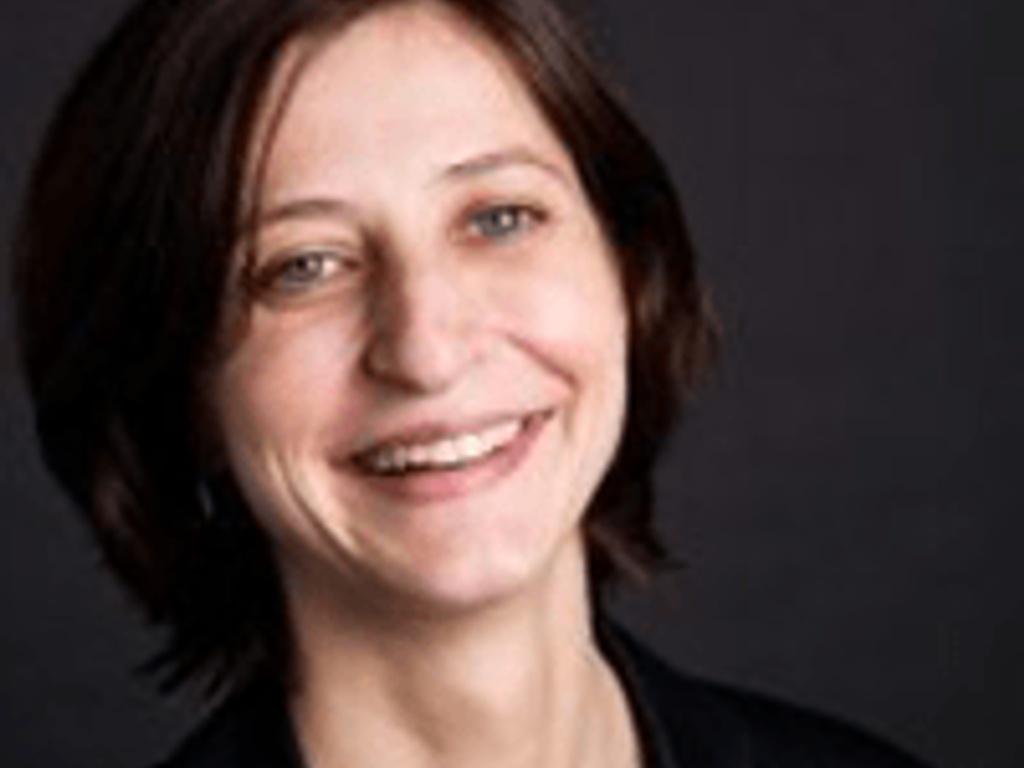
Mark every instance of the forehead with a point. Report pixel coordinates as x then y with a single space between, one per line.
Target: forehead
414 82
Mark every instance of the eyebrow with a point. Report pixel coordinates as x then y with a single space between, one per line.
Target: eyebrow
496 161
306 208
338 208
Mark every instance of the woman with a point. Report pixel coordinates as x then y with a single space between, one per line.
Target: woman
355 327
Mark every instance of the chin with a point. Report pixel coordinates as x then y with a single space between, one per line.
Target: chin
457 576
478 584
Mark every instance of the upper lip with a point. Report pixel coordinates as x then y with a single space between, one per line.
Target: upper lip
428 431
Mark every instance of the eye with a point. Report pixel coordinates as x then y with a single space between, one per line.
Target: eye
502 222
303 271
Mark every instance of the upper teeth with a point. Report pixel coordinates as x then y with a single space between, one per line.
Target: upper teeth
448 451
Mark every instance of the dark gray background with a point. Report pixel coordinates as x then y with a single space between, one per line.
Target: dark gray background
847 498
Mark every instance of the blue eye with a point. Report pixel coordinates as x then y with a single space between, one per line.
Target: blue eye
502 222
302 271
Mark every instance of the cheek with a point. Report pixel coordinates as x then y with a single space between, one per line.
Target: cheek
572 312
571 320
276 386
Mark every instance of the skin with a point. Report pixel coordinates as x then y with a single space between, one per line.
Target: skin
426 263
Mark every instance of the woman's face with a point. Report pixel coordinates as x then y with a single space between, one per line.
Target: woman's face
432 383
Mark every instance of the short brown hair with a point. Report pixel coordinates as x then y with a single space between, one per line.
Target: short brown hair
122 256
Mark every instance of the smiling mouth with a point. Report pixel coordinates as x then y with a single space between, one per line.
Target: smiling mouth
445 453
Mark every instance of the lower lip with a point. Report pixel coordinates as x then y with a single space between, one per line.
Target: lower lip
440 485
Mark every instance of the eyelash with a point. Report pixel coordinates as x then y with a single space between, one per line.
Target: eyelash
325 264
510 220
525 218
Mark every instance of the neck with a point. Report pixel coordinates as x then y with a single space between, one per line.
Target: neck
518 684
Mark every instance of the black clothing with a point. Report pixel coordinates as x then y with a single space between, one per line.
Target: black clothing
683 723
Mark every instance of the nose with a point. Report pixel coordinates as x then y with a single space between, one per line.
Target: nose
425 328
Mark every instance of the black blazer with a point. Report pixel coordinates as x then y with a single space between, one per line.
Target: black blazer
684 723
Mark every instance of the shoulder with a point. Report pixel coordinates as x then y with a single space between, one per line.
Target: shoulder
250 730
699 722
